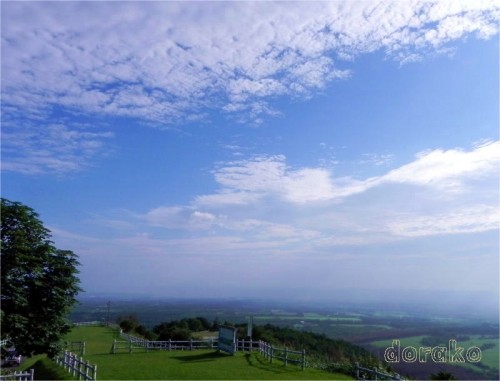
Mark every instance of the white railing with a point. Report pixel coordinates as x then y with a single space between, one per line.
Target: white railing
77 366
133 342
89 323
286 355
19 376
76 347
375 374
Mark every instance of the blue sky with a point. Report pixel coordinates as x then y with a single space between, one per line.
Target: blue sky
258 146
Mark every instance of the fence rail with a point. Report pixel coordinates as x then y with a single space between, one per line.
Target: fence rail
89 323
76 347
77 366
286 355
170 345
374 374
19 376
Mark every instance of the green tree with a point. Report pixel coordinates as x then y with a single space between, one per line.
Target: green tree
443 376
128 323
39 282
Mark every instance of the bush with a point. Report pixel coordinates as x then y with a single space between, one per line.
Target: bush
128 323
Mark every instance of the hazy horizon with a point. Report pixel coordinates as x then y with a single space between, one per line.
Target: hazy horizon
439 303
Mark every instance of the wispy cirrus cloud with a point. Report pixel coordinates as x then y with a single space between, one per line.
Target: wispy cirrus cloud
444 170
51 148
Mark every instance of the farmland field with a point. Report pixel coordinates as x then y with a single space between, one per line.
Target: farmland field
488 366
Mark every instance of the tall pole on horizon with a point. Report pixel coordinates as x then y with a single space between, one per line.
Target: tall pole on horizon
250 332
108 304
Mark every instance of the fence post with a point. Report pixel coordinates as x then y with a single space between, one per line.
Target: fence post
32 374
73 363
271 352
169 344
303 359
87 366
286 356
83 349
130 346
190 344
357 370
78 368
375 371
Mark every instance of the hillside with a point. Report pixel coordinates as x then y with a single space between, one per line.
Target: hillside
193 365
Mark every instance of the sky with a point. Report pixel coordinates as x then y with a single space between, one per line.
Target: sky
253 149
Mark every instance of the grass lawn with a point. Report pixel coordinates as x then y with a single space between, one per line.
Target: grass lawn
45 369
195 365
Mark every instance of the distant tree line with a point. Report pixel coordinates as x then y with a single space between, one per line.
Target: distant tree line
173 330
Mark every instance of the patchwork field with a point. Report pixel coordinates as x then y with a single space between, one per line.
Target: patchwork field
489 346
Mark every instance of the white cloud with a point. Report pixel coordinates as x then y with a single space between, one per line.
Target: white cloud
167 62
447 169
177 217
163 61
247 181
51 148
467 220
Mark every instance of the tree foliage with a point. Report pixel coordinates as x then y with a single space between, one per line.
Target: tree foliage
318 347
442 376
128 323
39 282
181 329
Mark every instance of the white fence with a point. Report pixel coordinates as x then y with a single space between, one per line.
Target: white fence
76 347
77 366
19 376
133 342
89 323
362 374
286 355
96 323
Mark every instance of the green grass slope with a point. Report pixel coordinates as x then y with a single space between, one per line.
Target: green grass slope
184 365
45 369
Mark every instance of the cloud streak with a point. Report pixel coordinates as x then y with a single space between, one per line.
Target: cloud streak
51 148
449 170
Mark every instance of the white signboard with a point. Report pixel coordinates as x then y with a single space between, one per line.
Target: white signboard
227 339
